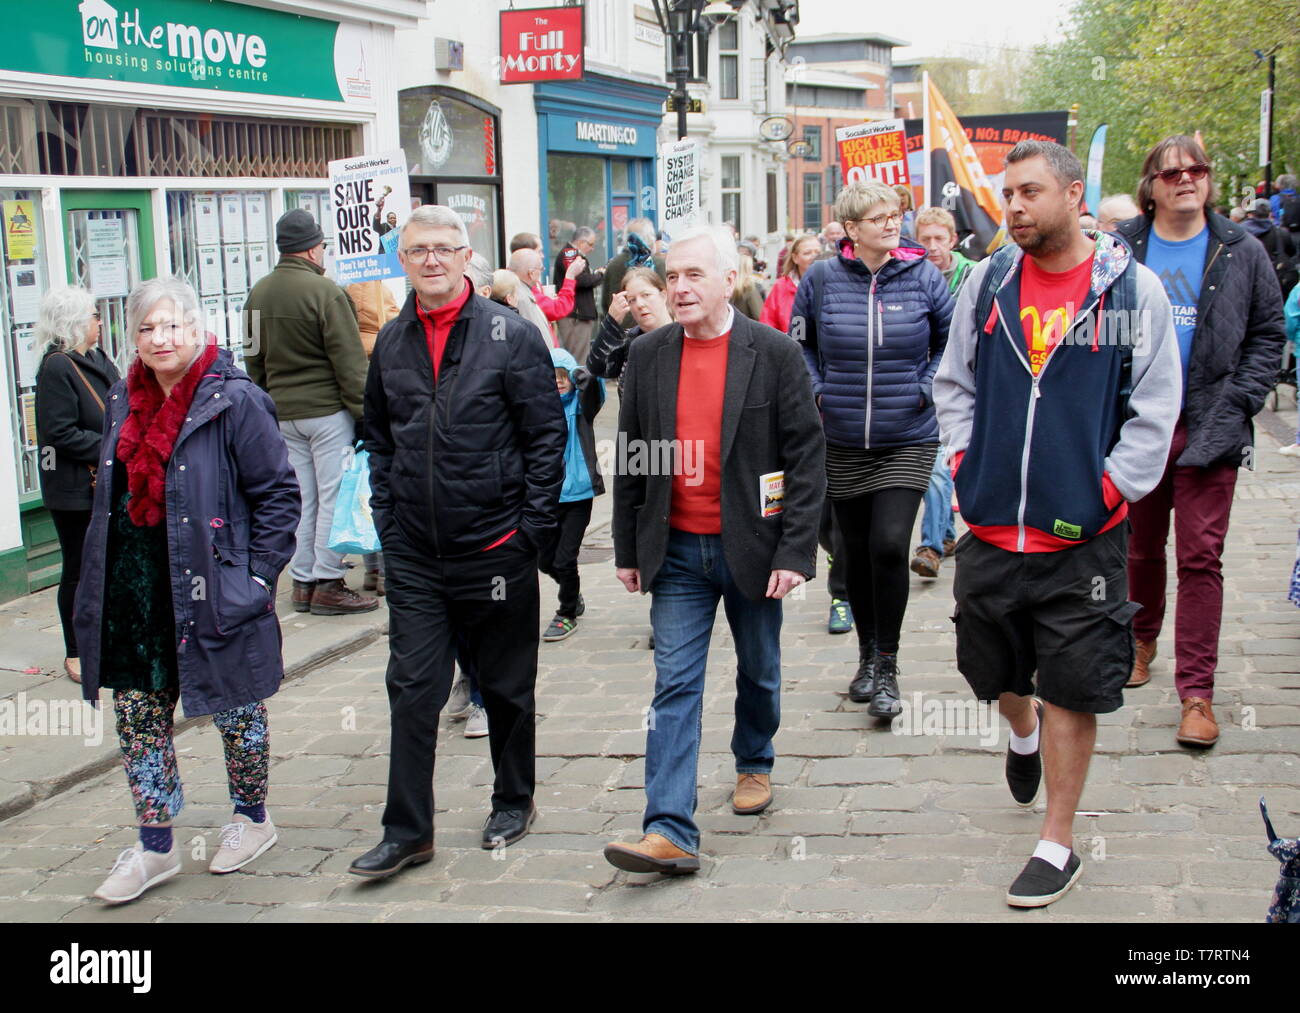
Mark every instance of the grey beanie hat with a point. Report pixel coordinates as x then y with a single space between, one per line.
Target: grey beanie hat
297 231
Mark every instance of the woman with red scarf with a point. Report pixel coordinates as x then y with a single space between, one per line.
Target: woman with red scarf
194 516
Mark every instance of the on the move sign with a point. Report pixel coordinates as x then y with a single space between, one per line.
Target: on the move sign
543 44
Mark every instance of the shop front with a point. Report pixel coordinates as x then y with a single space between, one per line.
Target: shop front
597 147
163 138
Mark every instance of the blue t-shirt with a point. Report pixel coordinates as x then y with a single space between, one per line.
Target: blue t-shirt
1180 267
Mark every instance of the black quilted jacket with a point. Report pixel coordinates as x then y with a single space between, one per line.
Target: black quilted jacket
454 471
1237 345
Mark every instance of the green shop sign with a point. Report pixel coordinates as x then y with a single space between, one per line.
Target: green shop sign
182 43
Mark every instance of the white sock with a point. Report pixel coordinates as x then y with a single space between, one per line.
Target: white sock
1029 744
1050 851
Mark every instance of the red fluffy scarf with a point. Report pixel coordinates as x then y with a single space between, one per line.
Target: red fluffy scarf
149 433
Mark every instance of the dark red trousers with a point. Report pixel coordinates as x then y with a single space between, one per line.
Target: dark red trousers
1201 500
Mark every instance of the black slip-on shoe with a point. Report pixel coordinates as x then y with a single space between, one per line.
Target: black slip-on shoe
1025 771
1040 882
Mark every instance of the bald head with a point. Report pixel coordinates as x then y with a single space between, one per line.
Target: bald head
527 264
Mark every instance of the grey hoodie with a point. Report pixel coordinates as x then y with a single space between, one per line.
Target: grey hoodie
1137 460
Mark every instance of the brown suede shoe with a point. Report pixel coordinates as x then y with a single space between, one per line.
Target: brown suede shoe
1146 653
753 794
925 562
335 598
1198 727
653 853
302 591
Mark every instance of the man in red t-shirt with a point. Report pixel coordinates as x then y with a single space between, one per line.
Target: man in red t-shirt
717 495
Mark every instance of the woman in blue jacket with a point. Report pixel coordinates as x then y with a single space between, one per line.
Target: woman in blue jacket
194 516
873 322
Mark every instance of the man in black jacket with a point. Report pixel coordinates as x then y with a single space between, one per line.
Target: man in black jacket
1228 315
576 329
717 494
464 487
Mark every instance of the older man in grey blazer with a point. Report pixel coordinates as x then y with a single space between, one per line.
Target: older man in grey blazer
717 494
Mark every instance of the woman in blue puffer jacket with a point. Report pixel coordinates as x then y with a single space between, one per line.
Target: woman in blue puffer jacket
873 322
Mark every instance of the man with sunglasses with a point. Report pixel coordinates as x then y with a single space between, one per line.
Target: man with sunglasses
1228 316
466 437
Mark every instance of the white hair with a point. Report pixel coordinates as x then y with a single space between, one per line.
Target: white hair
148 294
65 316
644 228
436 216
479 271
1119 206
724 244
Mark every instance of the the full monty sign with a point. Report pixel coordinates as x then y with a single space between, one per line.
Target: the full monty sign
679 186
873 151
370 199
544 44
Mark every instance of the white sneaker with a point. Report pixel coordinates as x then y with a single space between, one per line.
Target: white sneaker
1292 451
135 871
476 725
241 842
458 704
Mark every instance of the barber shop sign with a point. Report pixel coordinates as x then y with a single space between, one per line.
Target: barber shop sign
544 44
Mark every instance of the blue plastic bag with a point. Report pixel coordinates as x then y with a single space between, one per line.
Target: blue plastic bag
353 527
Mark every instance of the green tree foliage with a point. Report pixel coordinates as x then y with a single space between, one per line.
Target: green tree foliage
1151 68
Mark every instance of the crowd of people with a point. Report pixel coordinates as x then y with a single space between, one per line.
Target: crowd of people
880 373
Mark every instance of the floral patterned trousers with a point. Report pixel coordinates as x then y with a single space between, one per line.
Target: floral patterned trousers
144 730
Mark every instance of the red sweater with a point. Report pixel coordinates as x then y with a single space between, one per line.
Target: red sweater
437 326
697 496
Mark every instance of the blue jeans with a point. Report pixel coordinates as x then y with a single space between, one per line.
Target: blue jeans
937 523
684 601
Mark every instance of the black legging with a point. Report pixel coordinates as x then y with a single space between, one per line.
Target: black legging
877 533
70 525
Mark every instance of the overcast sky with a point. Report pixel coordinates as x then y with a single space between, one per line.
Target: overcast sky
939 27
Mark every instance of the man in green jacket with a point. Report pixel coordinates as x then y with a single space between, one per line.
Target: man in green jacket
302 346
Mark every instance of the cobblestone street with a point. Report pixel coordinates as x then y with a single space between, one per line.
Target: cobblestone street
866 824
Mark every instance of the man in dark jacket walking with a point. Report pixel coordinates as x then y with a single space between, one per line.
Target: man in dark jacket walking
576 329
466 435
718 495
1228 314
303 347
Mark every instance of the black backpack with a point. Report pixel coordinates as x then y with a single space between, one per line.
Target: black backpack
1287 272
1290 216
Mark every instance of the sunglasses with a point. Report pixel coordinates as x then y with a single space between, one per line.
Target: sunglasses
1197 171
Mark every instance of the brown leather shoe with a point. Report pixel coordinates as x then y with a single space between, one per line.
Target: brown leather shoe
1198 727
653 853
753 794
335 598
1145 654
302 591
925 562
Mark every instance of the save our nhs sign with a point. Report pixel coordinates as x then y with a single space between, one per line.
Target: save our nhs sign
181 43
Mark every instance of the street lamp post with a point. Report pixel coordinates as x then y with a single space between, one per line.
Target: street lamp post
681 21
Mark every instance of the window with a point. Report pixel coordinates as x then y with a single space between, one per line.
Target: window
813 136
812 201
833 185
729 61
729 182
21 287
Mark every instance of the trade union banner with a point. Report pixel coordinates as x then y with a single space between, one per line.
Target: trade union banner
873 151
542 44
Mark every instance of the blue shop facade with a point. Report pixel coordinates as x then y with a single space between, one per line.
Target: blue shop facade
598 141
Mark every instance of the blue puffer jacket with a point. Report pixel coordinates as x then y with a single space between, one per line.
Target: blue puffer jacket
872 345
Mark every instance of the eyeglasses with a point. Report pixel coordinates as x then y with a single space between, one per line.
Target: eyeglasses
421 253
1197 171
880 221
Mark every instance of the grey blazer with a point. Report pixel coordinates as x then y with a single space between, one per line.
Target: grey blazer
769 424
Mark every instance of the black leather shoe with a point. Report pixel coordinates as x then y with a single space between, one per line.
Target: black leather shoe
389 857
864 683
885 701
505 826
